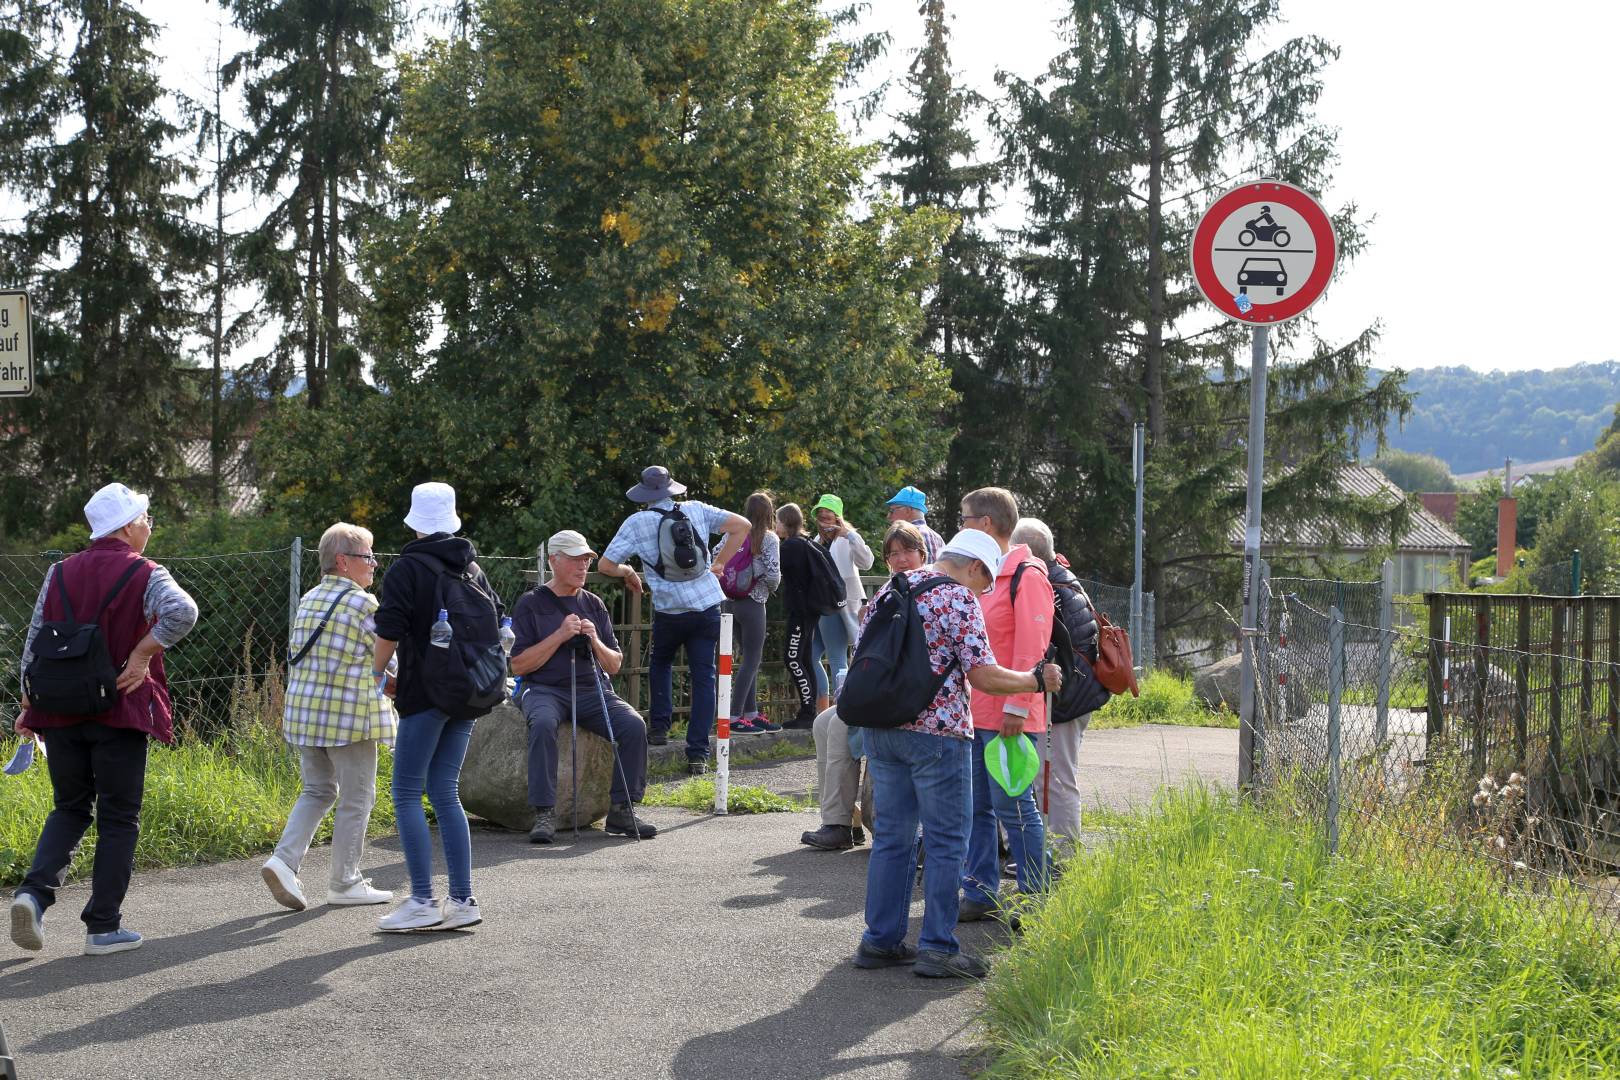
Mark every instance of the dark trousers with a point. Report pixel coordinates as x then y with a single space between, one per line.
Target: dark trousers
547 707
699 633
797 654
99 767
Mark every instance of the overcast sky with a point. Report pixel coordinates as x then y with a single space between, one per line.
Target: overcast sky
1472 132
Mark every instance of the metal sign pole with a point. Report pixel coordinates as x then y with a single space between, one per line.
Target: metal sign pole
1139 471
1251 558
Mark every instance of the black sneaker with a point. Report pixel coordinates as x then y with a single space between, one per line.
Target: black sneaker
974 910
937 965
870 956
697 768
857 835
622 821
801 723
657 738
545 827
829 838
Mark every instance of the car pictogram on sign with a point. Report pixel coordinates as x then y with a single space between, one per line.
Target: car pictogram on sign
1262 272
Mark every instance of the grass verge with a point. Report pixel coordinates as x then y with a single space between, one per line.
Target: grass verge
1214 940
698 794
206 801
1166 699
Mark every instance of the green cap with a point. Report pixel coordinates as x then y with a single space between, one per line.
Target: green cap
829 502
1012 763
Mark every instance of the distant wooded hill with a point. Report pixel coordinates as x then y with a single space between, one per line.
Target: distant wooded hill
1472 419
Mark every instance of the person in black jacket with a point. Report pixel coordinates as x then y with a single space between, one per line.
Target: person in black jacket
801 621
1063 793
431 744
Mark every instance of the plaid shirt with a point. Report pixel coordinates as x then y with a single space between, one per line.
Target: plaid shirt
639 536
332 699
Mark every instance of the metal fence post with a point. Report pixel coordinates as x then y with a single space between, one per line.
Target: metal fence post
295 581
1575 573
1386 642
1335 693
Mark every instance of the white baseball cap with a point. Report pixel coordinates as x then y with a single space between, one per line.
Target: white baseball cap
568 542
433 509
974 544
113 507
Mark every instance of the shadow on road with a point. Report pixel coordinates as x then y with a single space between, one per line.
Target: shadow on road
835 878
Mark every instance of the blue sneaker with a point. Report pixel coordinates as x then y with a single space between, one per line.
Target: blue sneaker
27 930
119 940
765 723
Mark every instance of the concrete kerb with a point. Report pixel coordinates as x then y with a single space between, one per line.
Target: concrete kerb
662 759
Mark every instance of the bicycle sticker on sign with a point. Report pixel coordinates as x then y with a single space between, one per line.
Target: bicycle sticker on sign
1264 252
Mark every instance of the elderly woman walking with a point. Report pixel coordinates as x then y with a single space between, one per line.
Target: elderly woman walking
335 716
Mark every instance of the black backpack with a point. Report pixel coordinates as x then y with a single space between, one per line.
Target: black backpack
468 678
824 593
891 681
680 555
71 672
1082 694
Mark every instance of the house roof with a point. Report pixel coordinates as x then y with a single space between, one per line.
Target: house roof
1424 532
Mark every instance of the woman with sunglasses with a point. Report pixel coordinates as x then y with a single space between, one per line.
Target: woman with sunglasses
335 716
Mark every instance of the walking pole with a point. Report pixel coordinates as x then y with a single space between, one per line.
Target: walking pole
601 697
573 726
722 722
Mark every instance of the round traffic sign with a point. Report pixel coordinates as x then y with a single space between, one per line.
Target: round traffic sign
1263 252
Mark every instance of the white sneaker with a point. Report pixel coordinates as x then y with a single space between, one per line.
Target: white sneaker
413 914
458 914
284 884
359 893
27 928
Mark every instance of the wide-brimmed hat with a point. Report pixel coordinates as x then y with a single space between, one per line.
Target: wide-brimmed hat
829 502
656 486
976 545
113 507
433 509
910 496
568 542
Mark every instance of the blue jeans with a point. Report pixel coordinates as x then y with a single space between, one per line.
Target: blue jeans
699 631
427 759
1026 833
832 641
926 778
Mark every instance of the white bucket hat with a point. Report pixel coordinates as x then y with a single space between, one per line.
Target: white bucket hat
433 509
113 507
974 544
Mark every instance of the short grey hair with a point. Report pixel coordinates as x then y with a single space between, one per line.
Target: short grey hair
1038 535
342 539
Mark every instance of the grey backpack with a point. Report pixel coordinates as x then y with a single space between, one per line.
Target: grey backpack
680 552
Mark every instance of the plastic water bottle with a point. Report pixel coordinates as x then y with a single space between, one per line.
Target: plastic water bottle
441 633
508 636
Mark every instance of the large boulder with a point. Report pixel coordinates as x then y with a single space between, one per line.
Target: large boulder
1220 683
495 776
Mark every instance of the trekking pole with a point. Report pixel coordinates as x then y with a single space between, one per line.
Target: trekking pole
722 722
573 726
601 697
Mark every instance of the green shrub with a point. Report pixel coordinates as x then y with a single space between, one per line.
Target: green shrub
1166 699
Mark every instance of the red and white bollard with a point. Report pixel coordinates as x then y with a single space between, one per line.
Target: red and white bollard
722 722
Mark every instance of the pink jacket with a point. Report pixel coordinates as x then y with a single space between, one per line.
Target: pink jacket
1018 638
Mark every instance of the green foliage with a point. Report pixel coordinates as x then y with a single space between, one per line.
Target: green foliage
639 248
1539 498
1166 699
1586 522
1213 939
1415 472
697 794
1473 420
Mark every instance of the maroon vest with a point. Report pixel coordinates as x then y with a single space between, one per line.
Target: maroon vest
90 576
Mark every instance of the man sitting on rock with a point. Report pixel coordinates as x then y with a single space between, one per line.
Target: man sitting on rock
561 628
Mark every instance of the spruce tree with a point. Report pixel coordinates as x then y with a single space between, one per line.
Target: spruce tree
110 258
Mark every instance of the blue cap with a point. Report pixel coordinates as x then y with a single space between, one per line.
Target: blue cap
910 496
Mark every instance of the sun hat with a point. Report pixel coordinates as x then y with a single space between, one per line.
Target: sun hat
656 486
1012 763
829 502
974 544
568 542
113 507
910 496
433 509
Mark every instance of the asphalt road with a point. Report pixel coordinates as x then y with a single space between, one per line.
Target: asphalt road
718 950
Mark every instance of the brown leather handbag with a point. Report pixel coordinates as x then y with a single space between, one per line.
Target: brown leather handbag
1114 668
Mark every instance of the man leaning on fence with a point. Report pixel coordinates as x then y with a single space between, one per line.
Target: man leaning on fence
97 758
565 651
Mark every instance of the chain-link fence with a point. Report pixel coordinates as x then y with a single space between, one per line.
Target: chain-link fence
1486 736
1114 601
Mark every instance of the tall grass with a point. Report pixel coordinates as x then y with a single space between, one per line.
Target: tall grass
206 800
1215 940
1166 699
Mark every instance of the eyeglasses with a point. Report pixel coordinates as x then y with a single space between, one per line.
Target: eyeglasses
364 556
963 519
